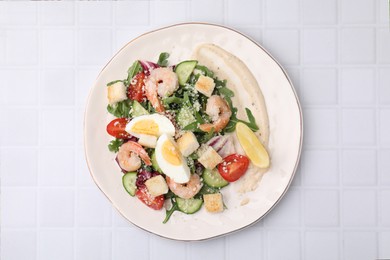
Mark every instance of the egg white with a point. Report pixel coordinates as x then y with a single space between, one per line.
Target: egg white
178 173
165 126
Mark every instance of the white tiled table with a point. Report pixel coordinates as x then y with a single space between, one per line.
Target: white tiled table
338 56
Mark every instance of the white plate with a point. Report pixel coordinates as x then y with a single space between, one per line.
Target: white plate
285 142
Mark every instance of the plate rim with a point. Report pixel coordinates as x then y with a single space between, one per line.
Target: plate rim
296 100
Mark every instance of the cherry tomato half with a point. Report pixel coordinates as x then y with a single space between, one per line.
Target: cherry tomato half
233 167
136 89
116 128
143 195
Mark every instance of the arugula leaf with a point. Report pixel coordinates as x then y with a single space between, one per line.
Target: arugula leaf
172 99
171 210
114 145
133 70
231 126
163 59
120 109
205 71
113 82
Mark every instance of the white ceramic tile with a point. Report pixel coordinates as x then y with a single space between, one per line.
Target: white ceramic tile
283 44
55 244
319 11
2 46
10 168
282 12
384 83
316 134
359 245
21 47
56 166
384 167
254 33
321 245
319 46
383 6
131 12
57 13
287 212
94 46
125 237
384 210
21 132
92 208
124 35
58 92
207 11
57 47
57 127
18 244
319 86
85 80
201 250
95 13
119 221
359 167
18 207
295 76
161 249
79 126
357 86
247 250
358 126
284 245
383 45
357 45
320 167
83 177
358 11
384 122
241 14
383 244
321 208
169 12
19 87
20 13
359 208
56 207
93 244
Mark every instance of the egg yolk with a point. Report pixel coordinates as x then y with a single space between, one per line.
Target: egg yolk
170 153
147 126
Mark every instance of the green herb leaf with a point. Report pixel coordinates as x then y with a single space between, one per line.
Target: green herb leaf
133 70
205 71
163 59
113 82
114 145
172 99
120 109
171 210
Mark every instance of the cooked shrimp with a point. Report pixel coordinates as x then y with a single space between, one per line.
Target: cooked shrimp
185 190
129 156
219 111
161 82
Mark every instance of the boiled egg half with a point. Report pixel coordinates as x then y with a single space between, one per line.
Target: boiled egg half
154 124
171 161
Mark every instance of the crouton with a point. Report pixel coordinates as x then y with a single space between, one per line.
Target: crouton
210 158
157 185
187 143
205 85
213 202
116 92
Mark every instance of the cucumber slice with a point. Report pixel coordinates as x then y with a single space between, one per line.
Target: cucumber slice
185 117
189 206
213 179
138 109
184 70
128 181
154 163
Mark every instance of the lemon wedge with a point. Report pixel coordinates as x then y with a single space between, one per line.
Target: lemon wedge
252 146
